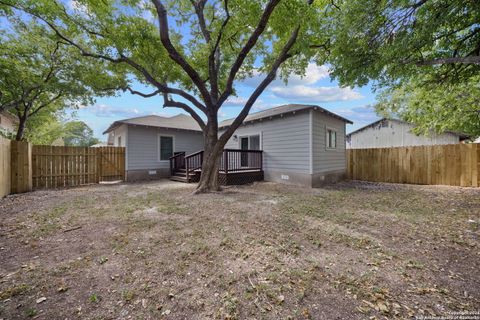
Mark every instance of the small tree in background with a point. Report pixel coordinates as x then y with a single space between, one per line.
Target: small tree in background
41 75
78 134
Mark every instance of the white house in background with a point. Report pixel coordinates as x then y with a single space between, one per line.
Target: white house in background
386 133
299 144
8 123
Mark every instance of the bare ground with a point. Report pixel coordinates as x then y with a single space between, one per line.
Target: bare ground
150 251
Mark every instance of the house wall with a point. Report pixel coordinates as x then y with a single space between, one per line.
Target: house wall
7 123
390 133
328 165
285 142
122 132
143 150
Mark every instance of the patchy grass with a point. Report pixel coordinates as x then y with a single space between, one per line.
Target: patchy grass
266 251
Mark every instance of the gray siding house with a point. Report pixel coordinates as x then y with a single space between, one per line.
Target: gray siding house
301 144
386 133
151 140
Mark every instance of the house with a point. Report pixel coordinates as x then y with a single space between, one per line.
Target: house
99 145
386 133
8 123
297 144
150 141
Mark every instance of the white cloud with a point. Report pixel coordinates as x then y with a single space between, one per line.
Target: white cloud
360 116
313 73
106 111
235 101
302 93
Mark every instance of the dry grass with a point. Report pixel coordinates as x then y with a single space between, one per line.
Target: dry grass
267 251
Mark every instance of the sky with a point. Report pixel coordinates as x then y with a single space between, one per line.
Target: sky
316 87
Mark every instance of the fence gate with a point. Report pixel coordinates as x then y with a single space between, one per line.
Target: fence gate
111 163
57 166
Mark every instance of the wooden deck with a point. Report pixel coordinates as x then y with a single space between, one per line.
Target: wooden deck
236 167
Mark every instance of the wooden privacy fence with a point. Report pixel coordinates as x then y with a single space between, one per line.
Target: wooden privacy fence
5 166
454 164
24 167
56 166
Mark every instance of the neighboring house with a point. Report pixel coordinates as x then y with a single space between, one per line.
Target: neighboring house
386 133
8 123
300 144
100 144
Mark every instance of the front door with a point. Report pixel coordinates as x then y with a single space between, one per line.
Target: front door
244 155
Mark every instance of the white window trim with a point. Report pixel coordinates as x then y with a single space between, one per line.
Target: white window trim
326 138
259 134
159 146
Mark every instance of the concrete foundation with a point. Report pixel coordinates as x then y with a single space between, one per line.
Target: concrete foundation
321 179
150 174
304 179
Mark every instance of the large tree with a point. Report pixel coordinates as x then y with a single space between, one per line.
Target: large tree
422 55
41 74
192 52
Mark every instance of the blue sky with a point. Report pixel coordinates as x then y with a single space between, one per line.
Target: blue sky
316 87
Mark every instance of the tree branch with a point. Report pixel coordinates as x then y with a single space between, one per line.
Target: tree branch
168 102
214 57
452 60
199 6
262 24
145 95
44 105
176 56
284 55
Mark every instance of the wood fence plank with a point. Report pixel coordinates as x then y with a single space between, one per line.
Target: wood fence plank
457 164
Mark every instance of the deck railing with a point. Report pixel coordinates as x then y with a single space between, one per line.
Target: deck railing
231 161
238 160
177 162
193 162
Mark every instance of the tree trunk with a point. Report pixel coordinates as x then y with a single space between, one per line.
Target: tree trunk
21 128
211 155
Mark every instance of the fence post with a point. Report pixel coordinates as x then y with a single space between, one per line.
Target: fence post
21 164
98 158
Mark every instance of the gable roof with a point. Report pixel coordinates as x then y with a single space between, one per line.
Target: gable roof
462 136
281 110
180 121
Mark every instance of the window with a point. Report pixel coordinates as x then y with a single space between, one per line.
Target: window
166 147
119 141
250 142
331 139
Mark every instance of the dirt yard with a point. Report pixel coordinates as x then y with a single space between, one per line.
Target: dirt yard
151 251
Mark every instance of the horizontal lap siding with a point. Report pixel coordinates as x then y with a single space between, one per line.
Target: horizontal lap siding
285 141
142 149
390 133
327 160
